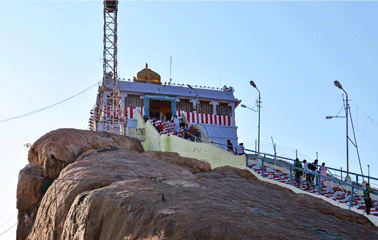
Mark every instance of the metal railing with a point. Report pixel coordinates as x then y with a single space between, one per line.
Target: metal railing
291 168
338 173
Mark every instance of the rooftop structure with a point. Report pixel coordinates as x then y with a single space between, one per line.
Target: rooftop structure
210 110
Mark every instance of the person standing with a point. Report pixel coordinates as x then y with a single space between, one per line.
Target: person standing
298 171
307 172
240 150
311 167
176 121
315 163
368 203
323 172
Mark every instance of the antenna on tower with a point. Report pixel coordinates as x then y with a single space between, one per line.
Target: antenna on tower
170 71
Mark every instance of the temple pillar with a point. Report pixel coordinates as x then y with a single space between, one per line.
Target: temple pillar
173 107
174 110
146 106
215 104
232 105
194 102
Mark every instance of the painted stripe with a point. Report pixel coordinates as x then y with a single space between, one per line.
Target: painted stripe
131 112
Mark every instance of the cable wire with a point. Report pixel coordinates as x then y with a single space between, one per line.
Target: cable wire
8 229
53 105
8 219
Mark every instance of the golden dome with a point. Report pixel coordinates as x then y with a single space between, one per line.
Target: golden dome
148 76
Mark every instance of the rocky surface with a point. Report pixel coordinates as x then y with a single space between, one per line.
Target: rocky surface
103 186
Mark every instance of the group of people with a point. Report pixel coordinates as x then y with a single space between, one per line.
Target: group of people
309 170
189 133
176 127
238 151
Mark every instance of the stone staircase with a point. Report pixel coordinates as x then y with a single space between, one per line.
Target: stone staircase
335 193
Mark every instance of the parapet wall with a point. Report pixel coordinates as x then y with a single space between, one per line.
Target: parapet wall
211 153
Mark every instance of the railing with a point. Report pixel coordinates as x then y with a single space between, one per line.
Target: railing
336 172
319 177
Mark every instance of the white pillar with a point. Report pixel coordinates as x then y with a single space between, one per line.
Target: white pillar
232 105
194 102
215 104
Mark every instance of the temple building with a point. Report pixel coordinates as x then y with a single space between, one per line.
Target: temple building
210 110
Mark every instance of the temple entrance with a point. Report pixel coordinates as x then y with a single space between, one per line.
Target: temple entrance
160 109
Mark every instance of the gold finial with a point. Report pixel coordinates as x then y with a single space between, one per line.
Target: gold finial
146 65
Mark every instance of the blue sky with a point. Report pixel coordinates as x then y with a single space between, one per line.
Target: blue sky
292 50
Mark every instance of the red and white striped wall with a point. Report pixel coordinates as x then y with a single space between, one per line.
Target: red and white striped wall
131 112
205 118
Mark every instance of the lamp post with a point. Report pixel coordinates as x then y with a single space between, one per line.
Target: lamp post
259 107
190 86
338 84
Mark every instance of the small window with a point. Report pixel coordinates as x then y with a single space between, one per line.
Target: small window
224 109
134 101
205 107
184 105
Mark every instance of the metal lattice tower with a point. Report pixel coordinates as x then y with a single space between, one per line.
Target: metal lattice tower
112 111
110 40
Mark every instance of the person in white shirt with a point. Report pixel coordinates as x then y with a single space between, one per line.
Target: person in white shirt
176 121
307 172
240 149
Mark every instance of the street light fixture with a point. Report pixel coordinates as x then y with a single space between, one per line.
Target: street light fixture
244 106
338 84
259 107
330 117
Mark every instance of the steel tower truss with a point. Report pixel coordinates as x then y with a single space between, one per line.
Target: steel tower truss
112 114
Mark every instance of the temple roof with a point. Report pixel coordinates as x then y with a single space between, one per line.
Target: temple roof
177 91
146 75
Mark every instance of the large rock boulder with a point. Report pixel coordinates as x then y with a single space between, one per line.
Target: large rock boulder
30 189
115 193
58 148
48 156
